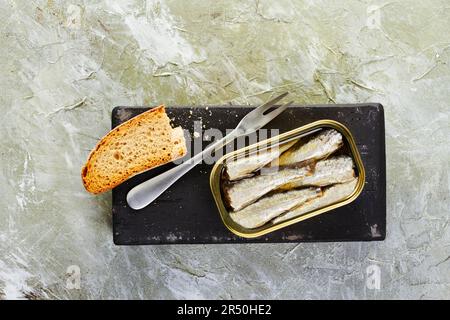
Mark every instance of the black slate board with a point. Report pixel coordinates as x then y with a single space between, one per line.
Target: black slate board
186 213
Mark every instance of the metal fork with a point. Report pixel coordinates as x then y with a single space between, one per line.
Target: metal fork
143 194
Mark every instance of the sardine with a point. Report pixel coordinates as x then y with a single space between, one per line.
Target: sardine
330 195
245 166
266 209
334 170
319 147
246 191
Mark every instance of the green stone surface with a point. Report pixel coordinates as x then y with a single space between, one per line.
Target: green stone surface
64 66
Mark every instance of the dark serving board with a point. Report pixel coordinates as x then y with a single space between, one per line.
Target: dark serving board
187 213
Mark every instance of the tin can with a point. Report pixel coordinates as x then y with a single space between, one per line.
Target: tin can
217 174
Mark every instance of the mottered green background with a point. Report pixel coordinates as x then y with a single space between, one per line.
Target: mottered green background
64 66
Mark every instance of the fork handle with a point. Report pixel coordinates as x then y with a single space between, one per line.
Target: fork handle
145 193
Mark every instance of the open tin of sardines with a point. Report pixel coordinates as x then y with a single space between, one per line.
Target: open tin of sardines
287 179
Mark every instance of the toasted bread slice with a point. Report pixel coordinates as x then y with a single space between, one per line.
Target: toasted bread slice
141 143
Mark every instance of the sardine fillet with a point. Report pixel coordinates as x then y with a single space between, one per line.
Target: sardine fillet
330 195
243 167
319 147
266 209
334 170
247 191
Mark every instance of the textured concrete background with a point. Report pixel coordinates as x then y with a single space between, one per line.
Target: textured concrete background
64 66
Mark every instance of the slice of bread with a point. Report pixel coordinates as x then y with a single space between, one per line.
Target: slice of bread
141 143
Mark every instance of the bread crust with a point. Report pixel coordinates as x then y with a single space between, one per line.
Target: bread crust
177 149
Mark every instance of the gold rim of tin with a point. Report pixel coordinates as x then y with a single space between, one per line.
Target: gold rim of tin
216 173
